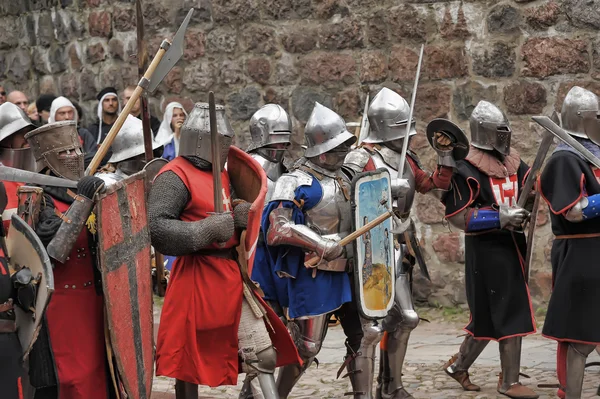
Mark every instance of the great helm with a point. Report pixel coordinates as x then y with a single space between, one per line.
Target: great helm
581 114
195 133
324 131
270 125
12 120
57 146
129 142
388 115
490 129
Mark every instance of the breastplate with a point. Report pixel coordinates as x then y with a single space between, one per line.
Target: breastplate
273 171
332 216
389 159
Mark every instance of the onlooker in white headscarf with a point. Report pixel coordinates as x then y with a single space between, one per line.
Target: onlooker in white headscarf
63 110
108 110
170 130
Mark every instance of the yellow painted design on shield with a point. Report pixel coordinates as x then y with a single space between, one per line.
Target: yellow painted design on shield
376 295
91 223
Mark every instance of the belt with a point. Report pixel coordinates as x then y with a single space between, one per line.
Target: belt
229 253
571 236
6 306
8 326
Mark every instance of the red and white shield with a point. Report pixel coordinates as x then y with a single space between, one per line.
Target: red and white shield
506 190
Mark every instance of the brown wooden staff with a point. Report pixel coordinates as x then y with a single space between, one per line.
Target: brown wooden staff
353 236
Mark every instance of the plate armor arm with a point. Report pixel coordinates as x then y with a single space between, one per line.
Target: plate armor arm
283 231
473 219
586 208
173 236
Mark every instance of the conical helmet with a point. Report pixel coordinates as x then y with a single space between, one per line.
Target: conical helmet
388 115
324 131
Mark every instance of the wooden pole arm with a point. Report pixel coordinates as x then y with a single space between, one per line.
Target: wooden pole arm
123 115
353 236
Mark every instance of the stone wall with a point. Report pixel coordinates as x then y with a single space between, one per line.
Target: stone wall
523 55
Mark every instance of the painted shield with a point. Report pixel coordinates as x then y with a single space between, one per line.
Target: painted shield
124 243
250 184
26 250
374 271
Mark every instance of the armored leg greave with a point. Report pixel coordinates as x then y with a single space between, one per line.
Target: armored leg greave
576 357
510 359
308 335
185 390
256 350
458 366
399 323
361 365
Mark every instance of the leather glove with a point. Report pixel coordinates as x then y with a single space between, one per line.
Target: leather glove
442 141
89 186
220 226
512 217
400 187
330 249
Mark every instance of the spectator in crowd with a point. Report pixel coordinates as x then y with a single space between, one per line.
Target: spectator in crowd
19 99
170 130
137 109
63 110
107 111
43 104
2 95
32 113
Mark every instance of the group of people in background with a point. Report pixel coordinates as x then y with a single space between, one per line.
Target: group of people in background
48 108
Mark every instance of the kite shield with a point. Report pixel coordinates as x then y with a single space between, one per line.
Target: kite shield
124 246
374 271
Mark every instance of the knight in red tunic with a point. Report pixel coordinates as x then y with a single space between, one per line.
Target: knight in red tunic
211 317
14 152
69 361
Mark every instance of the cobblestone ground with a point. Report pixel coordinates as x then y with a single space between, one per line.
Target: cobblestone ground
430 346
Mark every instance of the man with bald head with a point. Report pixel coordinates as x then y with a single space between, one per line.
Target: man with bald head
19 99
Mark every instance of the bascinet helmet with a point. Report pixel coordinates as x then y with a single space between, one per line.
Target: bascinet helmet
324 131
12 120
270 125
581 114
388 115
195 133
57 146
128 144
490 129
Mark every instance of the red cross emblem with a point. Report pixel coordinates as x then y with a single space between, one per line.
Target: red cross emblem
505 189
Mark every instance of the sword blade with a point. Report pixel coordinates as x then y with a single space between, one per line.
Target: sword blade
24 176
364 125
215 153
410 115
535 168
566 138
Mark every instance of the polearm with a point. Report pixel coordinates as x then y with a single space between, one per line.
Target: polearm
142 58
164 60
364 124
410 116
215 154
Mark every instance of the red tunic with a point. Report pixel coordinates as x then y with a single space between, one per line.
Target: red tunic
76 325
198 333
13 202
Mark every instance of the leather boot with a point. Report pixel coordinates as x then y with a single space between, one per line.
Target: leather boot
510 360
458 366
576 357
185 390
